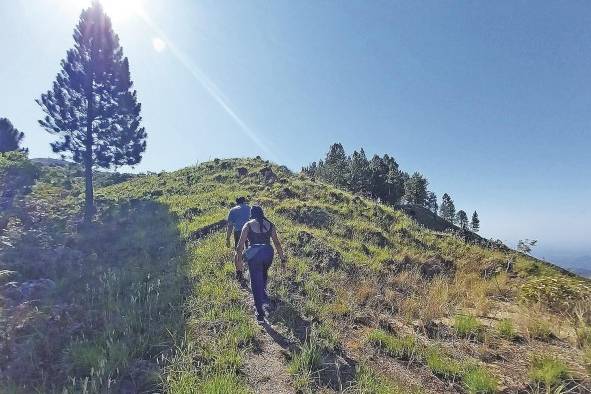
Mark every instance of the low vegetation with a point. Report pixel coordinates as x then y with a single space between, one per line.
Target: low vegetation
371 301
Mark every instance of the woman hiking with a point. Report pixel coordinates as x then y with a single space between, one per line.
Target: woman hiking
259 231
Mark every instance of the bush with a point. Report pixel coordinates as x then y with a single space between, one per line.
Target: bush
394 346
548 370
479 380
506 329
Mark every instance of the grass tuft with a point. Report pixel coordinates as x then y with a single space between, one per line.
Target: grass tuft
548 370
467 326
506 329
398 347
478 380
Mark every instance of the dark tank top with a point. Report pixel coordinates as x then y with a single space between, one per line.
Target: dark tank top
263 238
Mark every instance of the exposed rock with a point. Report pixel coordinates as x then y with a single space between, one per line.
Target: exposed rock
309 215
268 174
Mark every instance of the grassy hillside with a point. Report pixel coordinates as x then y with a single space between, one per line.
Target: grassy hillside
371 302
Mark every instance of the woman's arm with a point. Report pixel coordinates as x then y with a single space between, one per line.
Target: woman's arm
242 240
278 246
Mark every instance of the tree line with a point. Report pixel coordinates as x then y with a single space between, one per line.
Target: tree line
382 179
92 107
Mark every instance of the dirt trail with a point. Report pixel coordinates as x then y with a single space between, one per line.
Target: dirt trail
266 366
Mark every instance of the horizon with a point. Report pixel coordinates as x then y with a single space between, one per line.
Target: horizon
379 80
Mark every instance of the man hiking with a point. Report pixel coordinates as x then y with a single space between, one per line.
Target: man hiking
237 218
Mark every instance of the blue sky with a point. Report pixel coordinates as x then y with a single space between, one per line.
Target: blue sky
490 100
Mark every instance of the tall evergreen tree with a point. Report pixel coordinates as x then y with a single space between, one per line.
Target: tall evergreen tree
360 173
336 166
432 202
462 219
378 171
447 210
92 106
394 181
415 189
475 224
10 137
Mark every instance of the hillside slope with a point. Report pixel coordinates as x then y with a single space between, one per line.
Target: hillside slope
371 302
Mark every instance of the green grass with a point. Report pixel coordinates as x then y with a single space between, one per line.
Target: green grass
506 329
467 326
399 347
178 303
479 381
442 365
548 370
304 365
367 381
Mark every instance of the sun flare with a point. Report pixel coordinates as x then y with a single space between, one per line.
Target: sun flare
118 10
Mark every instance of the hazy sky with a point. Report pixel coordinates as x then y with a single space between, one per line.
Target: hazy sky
491 100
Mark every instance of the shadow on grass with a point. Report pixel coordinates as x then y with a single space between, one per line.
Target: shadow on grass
101 304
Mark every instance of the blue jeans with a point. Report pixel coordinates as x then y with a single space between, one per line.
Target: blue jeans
259 274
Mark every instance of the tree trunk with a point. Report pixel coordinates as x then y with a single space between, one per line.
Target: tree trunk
89 192
88 162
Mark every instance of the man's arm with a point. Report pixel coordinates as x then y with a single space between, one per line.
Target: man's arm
229 231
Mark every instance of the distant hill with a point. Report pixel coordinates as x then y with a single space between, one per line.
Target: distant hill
374 298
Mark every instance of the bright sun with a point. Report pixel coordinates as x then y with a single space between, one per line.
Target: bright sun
118 10
122 9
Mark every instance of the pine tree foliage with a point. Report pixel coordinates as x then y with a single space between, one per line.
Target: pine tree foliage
432 204
335 168
92 106
447 210
10 137
475 223
359 181
415 189
380 178
462 219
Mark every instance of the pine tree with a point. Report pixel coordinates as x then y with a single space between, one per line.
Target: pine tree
462 219
336 166
394 186
92 106
432 202
447 210
360 173
415 189
378 171
10 137
475 224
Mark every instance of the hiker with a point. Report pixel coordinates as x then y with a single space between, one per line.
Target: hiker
237 218
259 231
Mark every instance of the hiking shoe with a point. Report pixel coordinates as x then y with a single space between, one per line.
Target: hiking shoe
261 320
268 309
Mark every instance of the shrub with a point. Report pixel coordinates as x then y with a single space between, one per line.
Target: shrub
394 346
479 380
506 329
548 370
467 326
